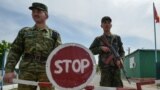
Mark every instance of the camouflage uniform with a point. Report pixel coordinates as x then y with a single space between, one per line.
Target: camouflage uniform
110 73
34 45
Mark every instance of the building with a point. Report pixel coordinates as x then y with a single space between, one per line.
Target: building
141 64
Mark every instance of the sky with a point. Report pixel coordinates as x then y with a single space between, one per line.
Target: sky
78 21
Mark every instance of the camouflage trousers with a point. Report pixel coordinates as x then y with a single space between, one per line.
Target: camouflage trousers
111 77
33 76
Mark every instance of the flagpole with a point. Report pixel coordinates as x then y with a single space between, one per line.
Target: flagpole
156 62
155 35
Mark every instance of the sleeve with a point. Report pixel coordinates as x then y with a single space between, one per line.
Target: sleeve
96 47
15 53
121 50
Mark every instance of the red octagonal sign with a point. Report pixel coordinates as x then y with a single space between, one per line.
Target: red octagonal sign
70 66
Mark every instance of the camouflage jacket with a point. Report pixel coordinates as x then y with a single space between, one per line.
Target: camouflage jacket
113 40
32 41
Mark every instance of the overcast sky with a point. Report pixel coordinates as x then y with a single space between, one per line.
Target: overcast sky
79 20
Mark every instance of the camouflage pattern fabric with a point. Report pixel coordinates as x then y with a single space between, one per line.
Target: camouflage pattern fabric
106 69
36 43
111 77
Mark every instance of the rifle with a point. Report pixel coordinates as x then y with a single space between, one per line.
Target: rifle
114 55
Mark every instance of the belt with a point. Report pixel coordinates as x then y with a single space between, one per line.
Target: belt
38 58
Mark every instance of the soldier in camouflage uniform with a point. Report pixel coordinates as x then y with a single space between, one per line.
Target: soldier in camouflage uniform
110 72
34 44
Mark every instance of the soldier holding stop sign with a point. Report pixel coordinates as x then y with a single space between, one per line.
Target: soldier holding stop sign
34 44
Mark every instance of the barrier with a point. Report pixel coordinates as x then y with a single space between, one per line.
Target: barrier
9 87
38 84
90 87
47 84
138 84
157 81
146 82
107 88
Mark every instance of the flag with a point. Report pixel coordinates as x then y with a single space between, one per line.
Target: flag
156 17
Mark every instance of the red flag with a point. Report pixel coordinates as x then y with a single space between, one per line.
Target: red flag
156 17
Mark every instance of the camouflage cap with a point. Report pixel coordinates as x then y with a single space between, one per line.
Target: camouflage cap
106 18
40 6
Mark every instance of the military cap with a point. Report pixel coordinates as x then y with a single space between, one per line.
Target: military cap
106 18
38 5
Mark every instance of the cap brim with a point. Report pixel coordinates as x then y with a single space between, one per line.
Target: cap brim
31 8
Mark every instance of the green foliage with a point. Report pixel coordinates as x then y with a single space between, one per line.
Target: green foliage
3 46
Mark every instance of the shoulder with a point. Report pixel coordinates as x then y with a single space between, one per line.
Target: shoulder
115 35
54 33
24 30
118 38
98 37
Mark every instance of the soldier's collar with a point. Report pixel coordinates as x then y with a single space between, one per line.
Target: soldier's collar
45 29
108 35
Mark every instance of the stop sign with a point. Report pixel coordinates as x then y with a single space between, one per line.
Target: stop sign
70 66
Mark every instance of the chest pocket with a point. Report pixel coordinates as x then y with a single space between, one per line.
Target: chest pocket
29 39
48 40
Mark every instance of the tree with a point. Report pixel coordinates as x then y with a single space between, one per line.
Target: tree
3 46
